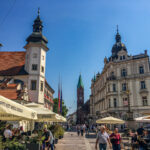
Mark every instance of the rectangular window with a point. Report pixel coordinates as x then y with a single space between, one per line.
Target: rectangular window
108 88
120 57
109 103
125 101
34 67
144 98
115 102
124 57
34 55
42 57
33 84
143 86
42 69
114 87
42 85
123 73
141 70
124 87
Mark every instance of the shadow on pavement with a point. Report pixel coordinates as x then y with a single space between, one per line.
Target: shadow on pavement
91 136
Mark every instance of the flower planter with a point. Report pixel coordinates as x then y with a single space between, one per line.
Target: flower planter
56 141
32 146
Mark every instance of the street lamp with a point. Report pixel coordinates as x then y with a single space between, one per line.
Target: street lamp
130 119
130 113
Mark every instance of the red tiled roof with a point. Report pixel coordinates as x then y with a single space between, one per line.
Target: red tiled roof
10 93
12 85
12 63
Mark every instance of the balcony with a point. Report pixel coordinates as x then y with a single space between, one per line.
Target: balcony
112 77
143 91
48 99
111 93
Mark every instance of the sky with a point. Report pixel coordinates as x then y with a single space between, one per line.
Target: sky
80 34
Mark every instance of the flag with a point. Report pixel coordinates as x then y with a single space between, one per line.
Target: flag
58 97
61 100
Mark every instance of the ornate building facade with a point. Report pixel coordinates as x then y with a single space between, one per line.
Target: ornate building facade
122 86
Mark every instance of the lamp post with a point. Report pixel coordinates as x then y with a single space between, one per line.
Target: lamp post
130 119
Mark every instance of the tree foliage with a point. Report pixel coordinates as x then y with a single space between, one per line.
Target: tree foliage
64 107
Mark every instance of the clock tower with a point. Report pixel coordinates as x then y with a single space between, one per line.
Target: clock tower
80 101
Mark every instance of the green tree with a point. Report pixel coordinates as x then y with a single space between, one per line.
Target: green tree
64 107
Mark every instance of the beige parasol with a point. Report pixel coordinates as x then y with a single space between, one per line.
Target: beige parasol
143 119
44 114
12 111
110 120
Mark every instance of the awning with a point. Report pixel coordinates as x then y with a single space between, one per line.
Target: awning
44 114
12 111
110 120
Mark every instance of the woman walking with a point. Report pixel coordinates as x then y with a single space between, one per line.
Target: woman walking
116 140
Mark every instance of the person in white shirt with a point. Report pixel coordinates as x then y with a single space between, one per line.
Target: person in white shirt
8 132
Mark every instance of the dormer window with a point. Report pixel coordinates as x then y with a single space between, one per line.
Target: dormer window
123 57
120 57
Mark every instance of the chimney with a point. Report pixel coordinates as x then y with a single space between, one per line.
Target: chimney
145 52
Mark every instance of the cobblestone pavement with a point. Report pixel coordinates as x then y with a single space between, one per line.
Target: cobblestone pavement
73 142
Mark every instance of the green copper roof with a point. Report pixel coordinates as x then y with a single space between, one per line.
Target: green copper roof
80 83
94 78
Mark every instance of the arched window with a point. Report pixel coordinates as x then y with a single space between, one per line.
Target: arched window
115 102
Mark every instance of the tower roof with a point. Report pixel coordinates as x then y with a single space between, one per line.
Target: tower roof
37 36
118 46
80 83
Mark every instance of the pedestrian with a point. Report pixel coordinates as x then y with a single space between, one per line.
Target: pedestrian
102 139
78 130
115 140
48 141
134 141
140 130
142 141
8 133
82 130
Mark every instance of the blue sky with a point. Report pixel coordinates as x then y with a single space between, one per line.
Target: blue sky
80 34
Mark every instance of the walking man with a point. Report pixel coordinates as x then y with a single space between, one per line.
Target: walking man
102 139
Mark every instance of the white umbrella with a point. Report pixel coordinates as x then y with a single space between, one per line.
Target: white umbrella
44 114
12 111
143 119
110 120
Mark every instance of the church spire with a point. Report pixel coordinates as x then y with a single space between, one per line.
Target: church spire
118 37
80 83
37 36
37 26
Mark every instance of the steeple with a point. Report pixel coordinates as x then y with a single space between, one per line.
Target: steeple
37 36
118 46
37 26
80 83
118 37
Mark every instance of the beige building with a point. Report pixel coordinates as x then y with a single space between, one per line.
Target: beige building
123 84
